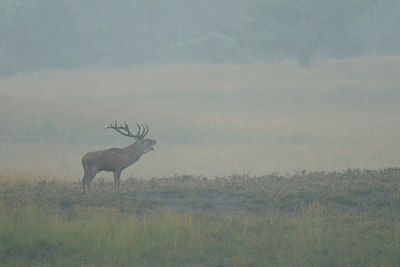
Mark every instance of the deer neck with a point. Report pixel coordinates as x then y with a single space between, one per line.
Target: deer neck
133 152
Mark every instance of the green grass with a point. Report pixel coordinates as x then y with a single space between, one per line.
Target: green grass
105 237
348 218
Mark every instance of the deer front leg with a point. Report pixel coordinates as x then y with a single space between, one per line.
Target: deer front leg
118 179
117 176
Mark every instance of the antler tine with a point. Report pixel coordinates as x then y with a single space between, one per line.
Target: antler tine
146 130
110 126
119 128
126 127
143 132
143 129
139 130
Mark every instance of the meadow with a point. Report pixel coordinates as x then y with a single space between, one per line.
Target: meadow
255 165
211 120
347 218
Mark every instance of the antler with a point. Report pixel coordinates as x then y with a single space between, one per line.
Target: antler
145 130
127 132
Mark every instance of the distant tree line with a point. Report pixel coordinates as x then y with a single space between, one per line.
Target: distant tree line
45 34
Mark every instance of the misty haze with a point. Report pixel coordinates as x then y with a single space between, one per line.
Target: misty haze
261 133
227 86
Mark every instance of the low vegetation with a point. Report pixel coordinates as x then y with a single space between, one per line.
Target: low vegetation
350 217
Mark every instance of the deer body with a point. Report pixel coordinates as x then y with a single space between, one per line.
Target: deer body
115 160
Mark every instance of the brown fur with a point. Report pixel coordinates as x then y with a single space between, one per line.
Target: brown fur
113 160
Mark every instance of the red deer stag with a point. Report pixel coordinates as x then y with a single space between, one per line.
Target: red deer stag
116 159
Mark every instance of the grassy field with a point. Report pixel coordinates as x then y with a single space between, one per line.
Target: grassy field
347 218
213 120
203 197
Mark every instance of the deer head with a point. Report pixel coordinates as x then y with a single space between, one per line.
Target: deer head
144 145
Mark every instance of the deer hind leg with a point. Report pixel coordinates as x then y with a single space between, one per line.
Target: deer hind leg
84 184
86 174
84 180
87 177
90 178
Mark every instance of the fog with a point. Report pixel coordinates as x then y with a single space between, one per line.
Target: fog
228 86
